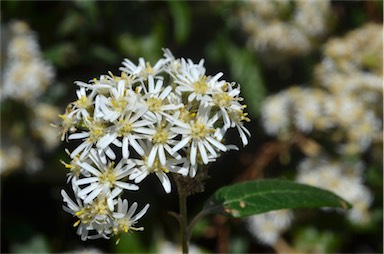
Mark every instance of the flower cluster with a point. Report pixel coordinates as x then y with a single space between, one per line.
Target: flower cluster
26 74
268 227
343 110
167 118
347 99
343 178
300 23
26 77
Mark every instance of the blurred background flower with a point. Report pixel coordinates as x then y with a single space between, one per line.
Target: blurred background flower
311 73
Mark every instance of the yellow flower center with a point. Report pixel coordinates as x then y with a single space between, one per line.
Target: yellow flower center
199 130
125 129
161 136
238 116
109 175
119 104
222 99
84 102
96 131
201 86
154 104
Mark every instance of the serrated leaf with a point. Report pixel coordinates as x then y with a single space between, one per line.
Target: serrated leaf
260 196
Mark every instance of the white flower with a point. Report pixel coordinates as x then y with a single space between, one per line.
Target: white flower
120 101
84 103
275 113
96 130
268 227
91 217
344 179
155 99
124 218
199 131
161 139
142 169
130 127
105 179
226 97
143 69
192 80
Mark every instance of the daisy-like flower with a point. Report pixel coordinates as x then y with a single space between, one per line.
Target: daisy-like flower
124 218
192 80
155 99
199 132
106 179
84 103
130 128
96 130
143 69
120 101
226 97
142 169
91 217
162 140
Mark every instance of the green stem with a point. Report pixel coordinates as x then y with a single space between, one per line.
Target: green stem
194 221
182 216
183 222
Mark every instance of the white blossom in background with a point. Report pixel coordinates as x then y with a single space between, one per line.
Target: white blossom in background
275 114
344 179
151 120
10 158
44 115
26 75
166 247
25 78
302 24
268 227
346 100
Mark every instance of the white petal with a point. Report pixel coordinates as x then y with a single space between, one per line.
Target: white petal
152 156
193 152
127 186
162 157
203 153
78 135
179 130
106 140
181 144
136 146
92 195
110 153
217 144
79 149
86 180
164 181
141 213
165 92
72 205
125 148
210 149
131 210
89 168
110 204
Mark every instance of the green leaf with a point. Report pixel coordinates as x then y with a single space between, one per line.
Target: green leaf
181 19
260 196
244 69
